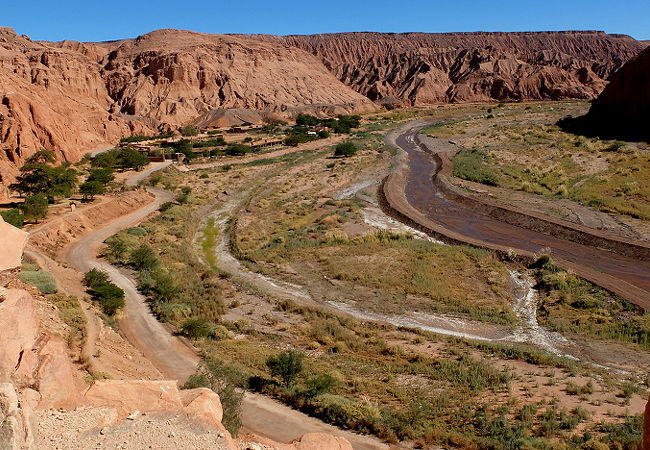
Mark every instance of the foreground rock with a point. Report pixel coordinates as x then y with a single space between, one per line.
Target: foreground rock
12 245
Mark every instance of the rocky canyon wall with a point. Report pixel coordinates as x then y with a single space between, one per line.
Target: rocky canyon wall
74 97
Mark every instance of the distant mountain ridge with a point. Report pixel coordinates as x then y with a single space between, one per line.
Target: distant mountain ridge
74 97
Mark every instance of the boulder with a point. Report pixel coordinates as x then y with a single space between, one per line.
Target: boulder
128 396
12 243
18 328
321 441
203 403
15 425
55 376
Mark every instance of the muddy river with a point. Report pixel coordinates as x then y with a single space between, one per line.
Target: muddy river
423 195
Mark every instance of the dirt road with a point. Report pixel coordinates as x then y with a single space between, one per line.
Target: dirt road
174 358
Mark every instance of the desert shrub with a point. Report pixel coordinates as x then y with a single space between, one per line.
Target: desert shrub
319 385
286 366
165 206
13 217
71 313
470 164
345 149
40 279
223 380
95 277
143 258
35 207
197 328
109 296
626 435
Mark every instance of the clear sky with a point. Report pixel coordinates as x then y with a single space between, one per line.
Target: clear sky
93 20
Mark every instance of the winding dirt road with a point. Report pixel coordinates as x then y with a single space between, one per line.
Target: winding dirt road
175 358
624 275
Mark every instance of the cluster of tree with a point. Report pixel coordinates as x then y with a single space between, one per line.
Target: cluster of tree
143 137
301 134
341 124
39 175
96 182
219 141
41 182
189 130
109 296
120 159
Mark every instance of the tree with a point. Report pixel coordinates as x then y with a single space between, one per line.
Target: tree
104 175
13 217
189 130
143 258
35 207
307 120
323 134
286 365
237 150
91 188
129 158
345 149
38 176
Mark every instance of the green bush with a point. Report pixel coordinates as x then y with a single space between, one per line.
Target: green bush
223 380
13 217
319 385
95 277
109 296
287 366
345 149
35 207
40 279
471 164
143 258
197 328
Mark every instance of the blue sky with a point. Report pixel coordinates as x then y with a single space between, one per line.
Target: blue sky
114 19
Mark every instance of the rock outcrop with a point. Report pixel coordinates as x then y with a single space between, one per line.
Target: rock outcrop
623 108
421 68
12 245
75 97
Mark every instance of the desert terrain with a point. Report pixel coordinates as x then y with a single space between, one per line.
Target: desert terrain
280 253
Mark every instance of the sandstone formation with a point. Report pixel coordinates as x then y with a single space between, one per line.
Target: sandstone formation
76 97
623 108
11 249
424 68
